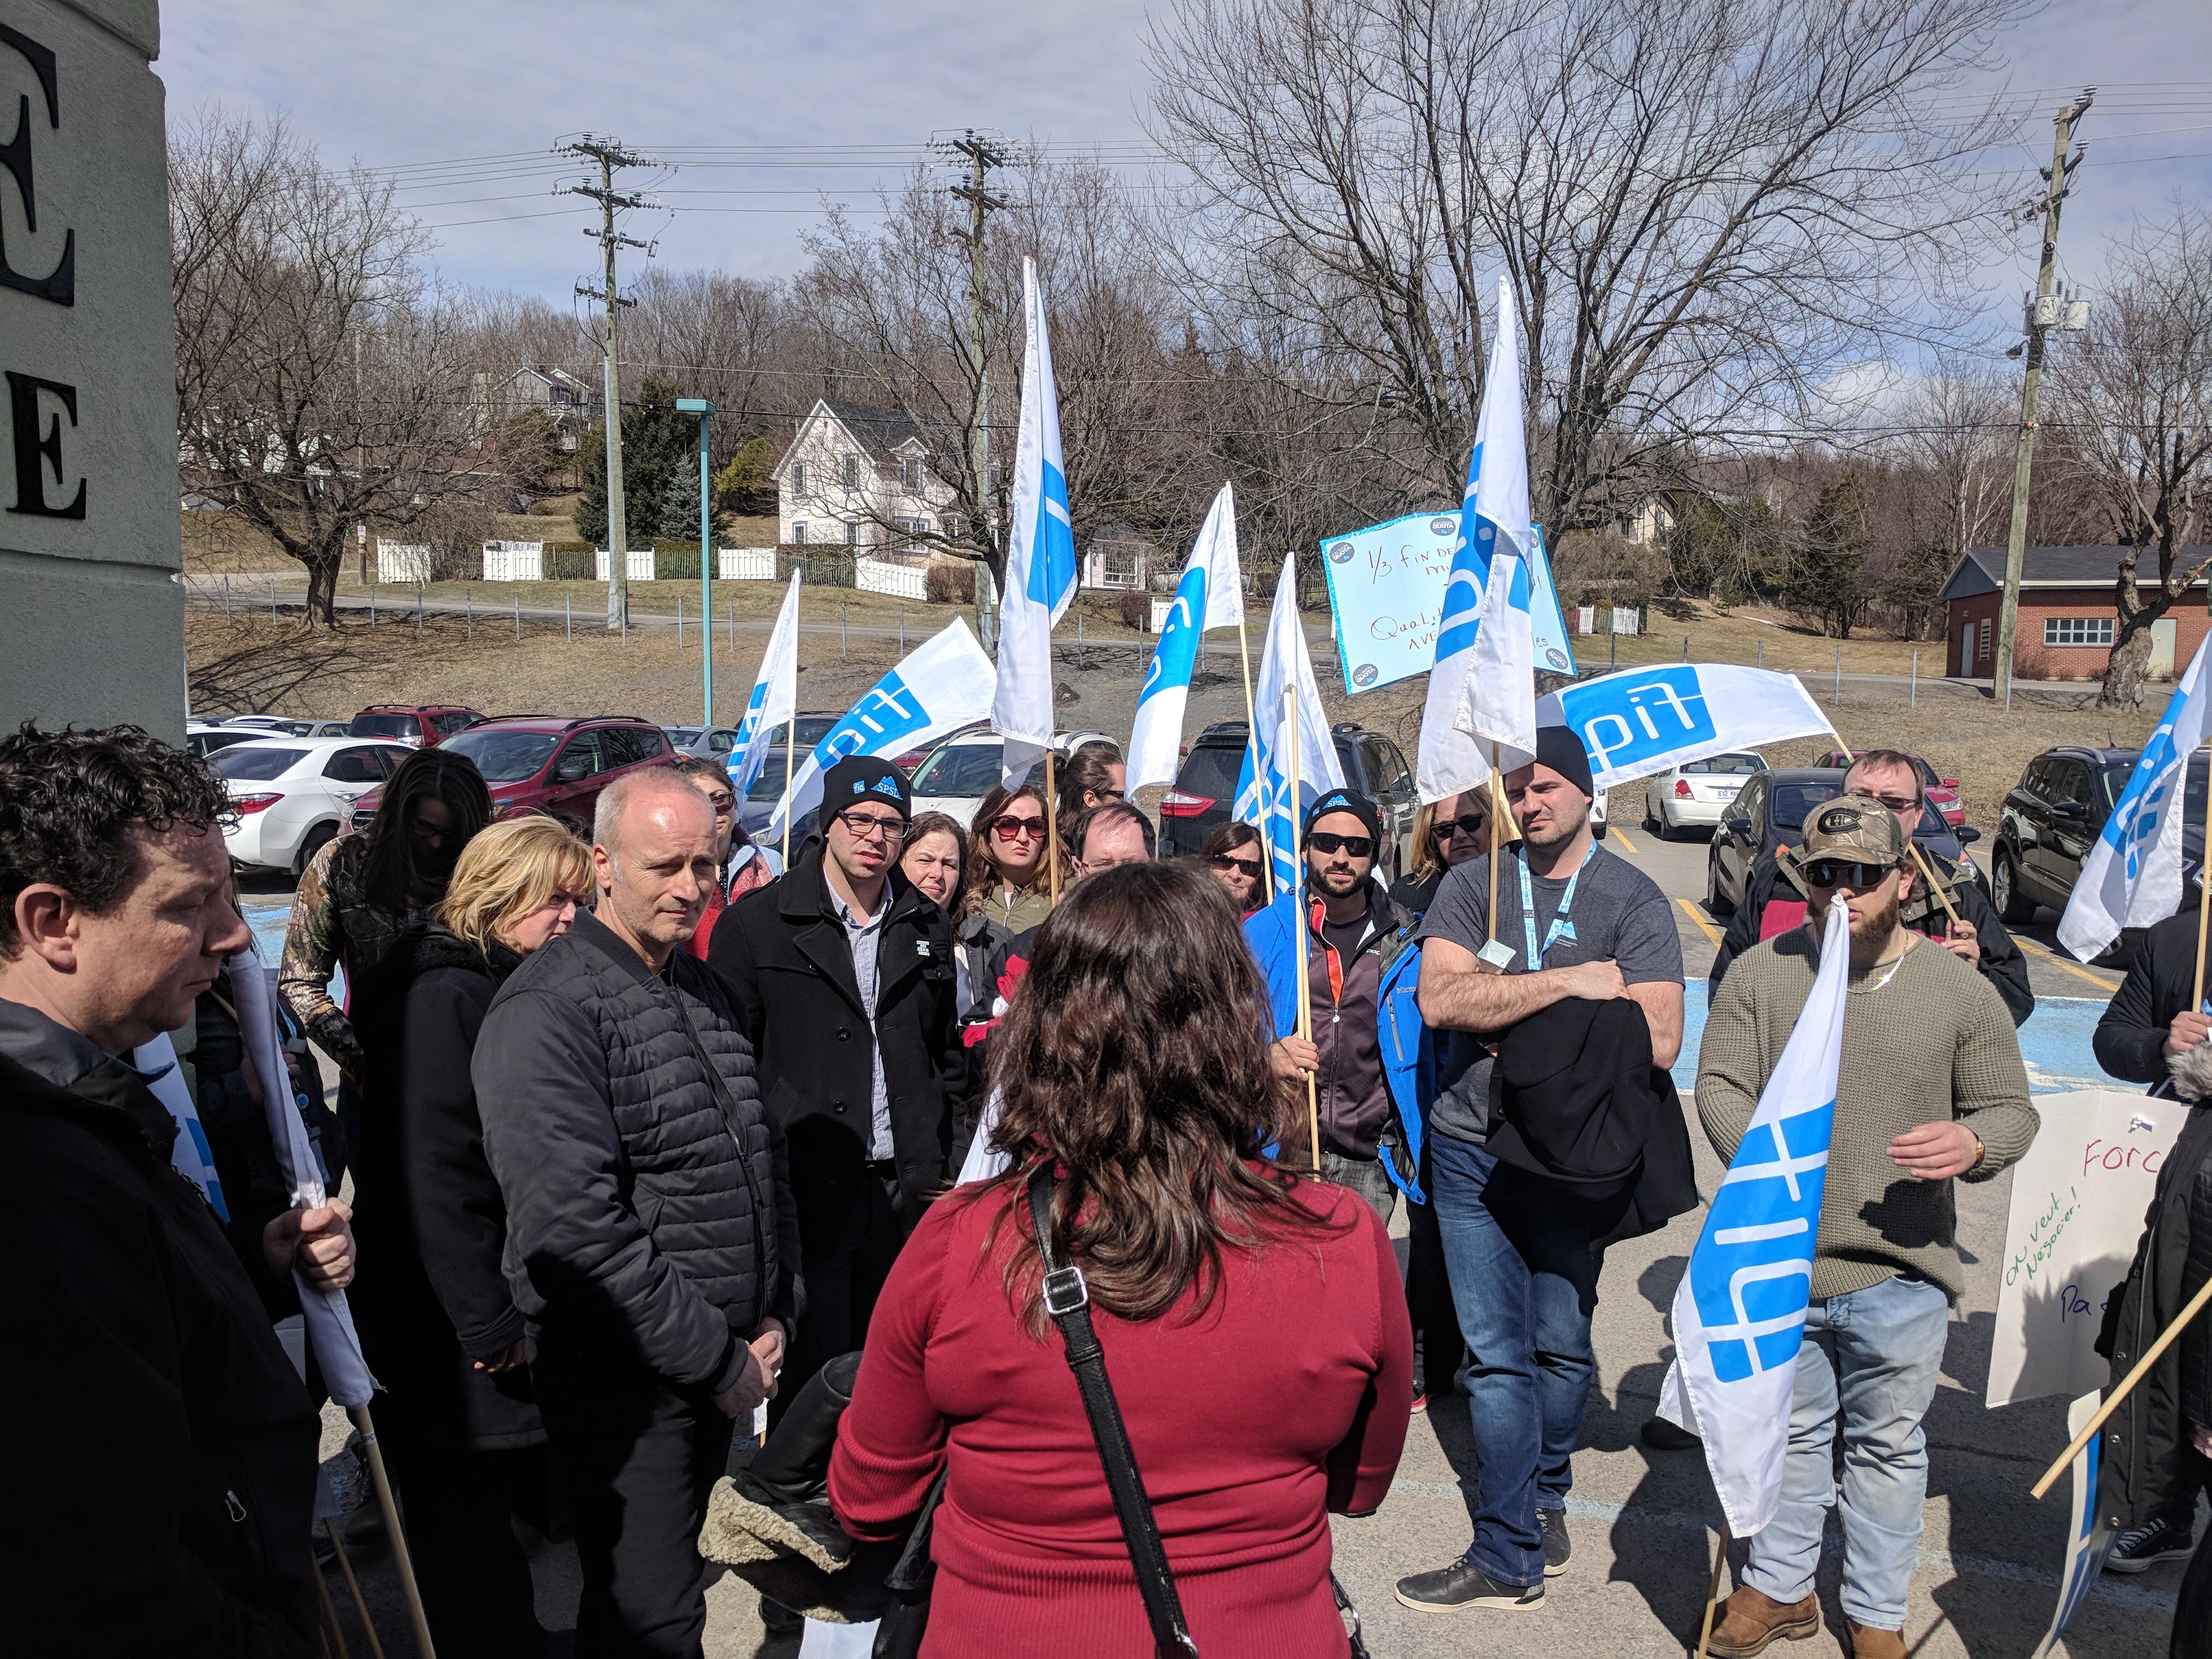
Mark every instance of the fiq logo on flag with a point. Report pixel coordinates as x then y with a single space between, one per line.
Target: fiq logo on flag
889 711
1626 718
1750 1280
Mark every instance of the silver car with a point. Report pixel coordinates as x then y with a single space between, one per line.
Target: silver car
1696 793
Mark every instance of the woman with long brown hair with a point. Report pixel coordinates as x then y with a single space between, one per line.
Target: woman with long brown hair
1253 1330
1008 882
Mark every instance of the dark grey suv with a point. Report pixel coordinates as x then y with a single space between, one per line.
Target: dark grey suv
1205 789
2049 822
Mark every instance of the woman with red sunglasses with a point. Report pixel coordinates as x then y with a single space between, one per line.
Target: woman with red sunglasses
1007 879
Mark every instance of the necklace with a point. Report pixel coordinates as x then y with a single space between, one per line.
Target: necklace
1888 974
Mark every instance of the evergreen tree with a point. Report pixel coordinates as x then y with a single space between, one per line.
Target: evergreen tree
1826 581
744 485
656 442
679 508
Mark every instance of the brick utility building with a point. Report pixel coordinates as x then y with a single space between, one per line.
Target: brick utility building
2067 617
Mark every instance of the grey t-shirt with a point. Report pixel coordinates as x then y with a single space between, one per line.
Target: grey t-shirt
1618 914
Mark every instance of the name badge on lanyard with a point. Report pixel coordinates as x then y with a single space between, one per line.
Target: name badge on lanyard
1562 925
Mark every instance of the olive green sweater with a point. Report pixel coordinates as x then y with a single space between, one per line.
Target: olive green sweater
1930 1043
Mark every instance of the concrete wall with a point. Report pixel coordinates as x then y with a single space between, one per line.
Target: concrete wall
2034 660
91 612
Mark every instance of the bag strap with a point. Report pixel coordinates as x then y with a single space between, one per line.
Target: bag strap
736 1122
1067 1299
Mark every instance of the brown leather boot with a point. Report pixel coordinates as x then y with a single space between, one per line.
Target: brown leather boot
1871 1641
1749 1620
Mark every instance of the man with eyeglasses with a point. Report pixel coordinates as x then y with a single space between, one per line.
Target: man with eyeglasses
842 976
1360 977
1775 901
1930 1091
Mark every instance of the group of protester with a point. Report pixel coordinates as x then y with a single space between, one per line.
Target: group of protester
645 1132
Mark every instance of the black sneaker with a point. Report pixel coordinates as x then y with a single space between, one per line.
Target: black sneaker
2165 1539
1662 1435
1557 1550
1464 1585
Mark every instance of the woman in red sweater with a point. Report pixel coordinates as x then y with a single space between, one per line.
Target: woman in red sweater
1254 1328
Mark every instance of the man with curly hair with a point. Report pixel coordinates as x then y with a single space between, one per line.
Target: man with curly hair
161 1453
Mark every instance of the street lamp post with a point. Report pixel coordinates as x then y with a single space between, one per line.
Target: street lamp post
703 410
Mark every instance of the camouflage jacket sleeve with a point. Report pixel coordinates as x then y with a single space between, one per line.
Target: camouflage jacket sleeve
312 940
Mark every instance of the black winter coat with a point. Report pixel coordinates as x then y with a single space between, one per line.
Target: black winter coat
2130 1040
159 1460
431 1297
2001 964
784 954
649 1224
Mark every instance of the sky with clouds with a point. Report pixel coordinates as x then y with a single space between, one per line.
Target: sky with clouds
768 107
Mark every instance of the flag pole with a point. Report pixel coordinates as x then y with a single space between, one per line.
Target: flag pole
360 1606
1051 826
1251 723
1497 835
400 1559
2165 1339
2203 908
1713 1594
790 735
1299 903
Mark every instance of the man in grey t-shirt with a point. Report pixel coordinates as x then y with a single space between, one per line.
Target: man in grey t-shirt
1579 923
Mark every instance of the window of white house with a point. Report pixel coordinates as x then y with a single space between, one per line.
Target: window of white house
911 528
910 477
851 532
796 477
852 472
951 527
2078 631
1119 561
798 533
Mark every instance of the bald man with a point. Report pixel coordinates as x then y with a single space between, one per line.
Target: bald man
652 1242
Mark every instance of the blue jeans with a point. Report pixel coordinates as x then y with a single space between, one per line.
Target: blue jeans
1873 1355
1524 1281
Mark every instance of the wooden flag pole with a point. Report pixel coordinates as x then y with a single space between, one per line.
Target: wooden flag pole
1497 835
360 1606
1298 900
1051 826
790 736
2165 1339
331 1614
1251 723
400 1556
2204 912
1713 1594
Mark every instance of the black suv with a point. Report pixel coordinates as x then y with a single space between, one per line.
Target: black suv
1206 790
2046 826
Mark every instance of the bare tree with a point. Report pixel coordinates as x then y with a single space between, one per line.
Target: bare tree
1703 208
2136 398
718 337
323 378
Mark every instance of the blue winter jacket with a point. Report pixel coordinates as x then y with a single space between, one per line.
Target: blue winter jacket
1408 1057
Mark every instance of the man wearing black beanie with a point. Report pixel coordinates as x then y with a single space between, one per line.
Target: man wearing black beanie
1523 1251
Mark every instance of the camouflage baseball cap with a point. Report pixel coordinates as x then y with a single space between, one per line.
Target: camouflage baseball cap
1853 828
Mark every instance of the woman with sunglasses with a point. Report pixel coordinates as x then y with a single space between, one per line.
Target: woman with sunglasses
1235 857
1445 832
1008 882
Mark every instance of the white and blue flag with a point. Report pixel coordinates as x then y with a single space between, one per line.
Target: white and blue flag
775 701
1644 721
2132 876
1210 595
2087 1542
1740 1310
1263 786
1482 687
940 685
1040 556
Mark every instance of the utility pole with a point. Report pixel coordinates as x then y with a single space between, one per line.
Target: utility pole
983 153
609 155
2042 315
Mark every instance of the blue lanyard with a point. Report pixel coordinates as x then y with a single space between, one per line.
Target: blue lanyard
1561 927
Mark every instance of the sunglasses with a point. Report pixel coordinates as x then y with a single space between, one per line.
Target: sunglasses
1011 828
1360 847
1248 868
1468 823
1834 873
862 827
723 803
1900 803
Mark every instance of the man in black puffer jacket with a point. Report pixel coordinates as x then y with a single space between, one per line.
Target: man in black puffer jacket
651 1243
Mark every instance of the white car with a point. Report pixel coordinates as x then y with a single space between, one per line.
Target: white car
1698 792
964 768
292 794
274 725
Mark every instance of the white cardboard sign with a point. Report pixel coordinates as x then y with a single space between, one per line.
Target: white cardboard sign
2078 1201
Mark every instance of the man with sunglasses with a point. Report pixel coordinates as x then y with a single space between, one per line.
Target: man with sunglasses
842 976
1930 1091
1360 978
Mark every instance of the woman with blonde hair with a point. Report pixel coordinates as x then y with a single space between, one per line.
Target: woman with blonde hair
437 1324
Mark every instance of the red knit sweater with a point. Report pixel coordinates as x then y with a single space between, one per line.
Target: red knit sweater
1287 1398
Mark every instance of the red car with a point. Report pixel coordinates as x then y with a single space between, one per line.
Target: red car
1942 792
549 764
418 726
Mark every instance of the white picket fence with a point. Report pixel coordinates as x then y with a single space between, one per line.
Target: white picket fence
899 581
638 568
745 564
402 562
515 561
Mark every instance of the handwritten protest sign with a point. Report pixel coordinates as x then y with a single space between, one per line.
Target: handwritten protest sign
2078 1200
1386 590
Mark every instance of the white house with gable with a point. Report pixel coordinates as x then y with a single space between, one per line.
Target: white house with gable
858 477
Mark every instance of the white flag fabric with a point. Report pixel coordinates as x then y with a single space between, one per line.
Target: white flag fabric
1209 595
2132 876
943 683
775 701
1740 1310
1482 691
189 1154
1643 721
1040 555
2087 1542
1263 796
330 1322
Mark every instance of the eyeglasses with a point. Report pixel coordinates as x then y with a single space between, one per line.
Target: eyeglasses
1899 803
1469 824
421 829
1360 847
862 826
723 802
1248 868
1011 828
1833 873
